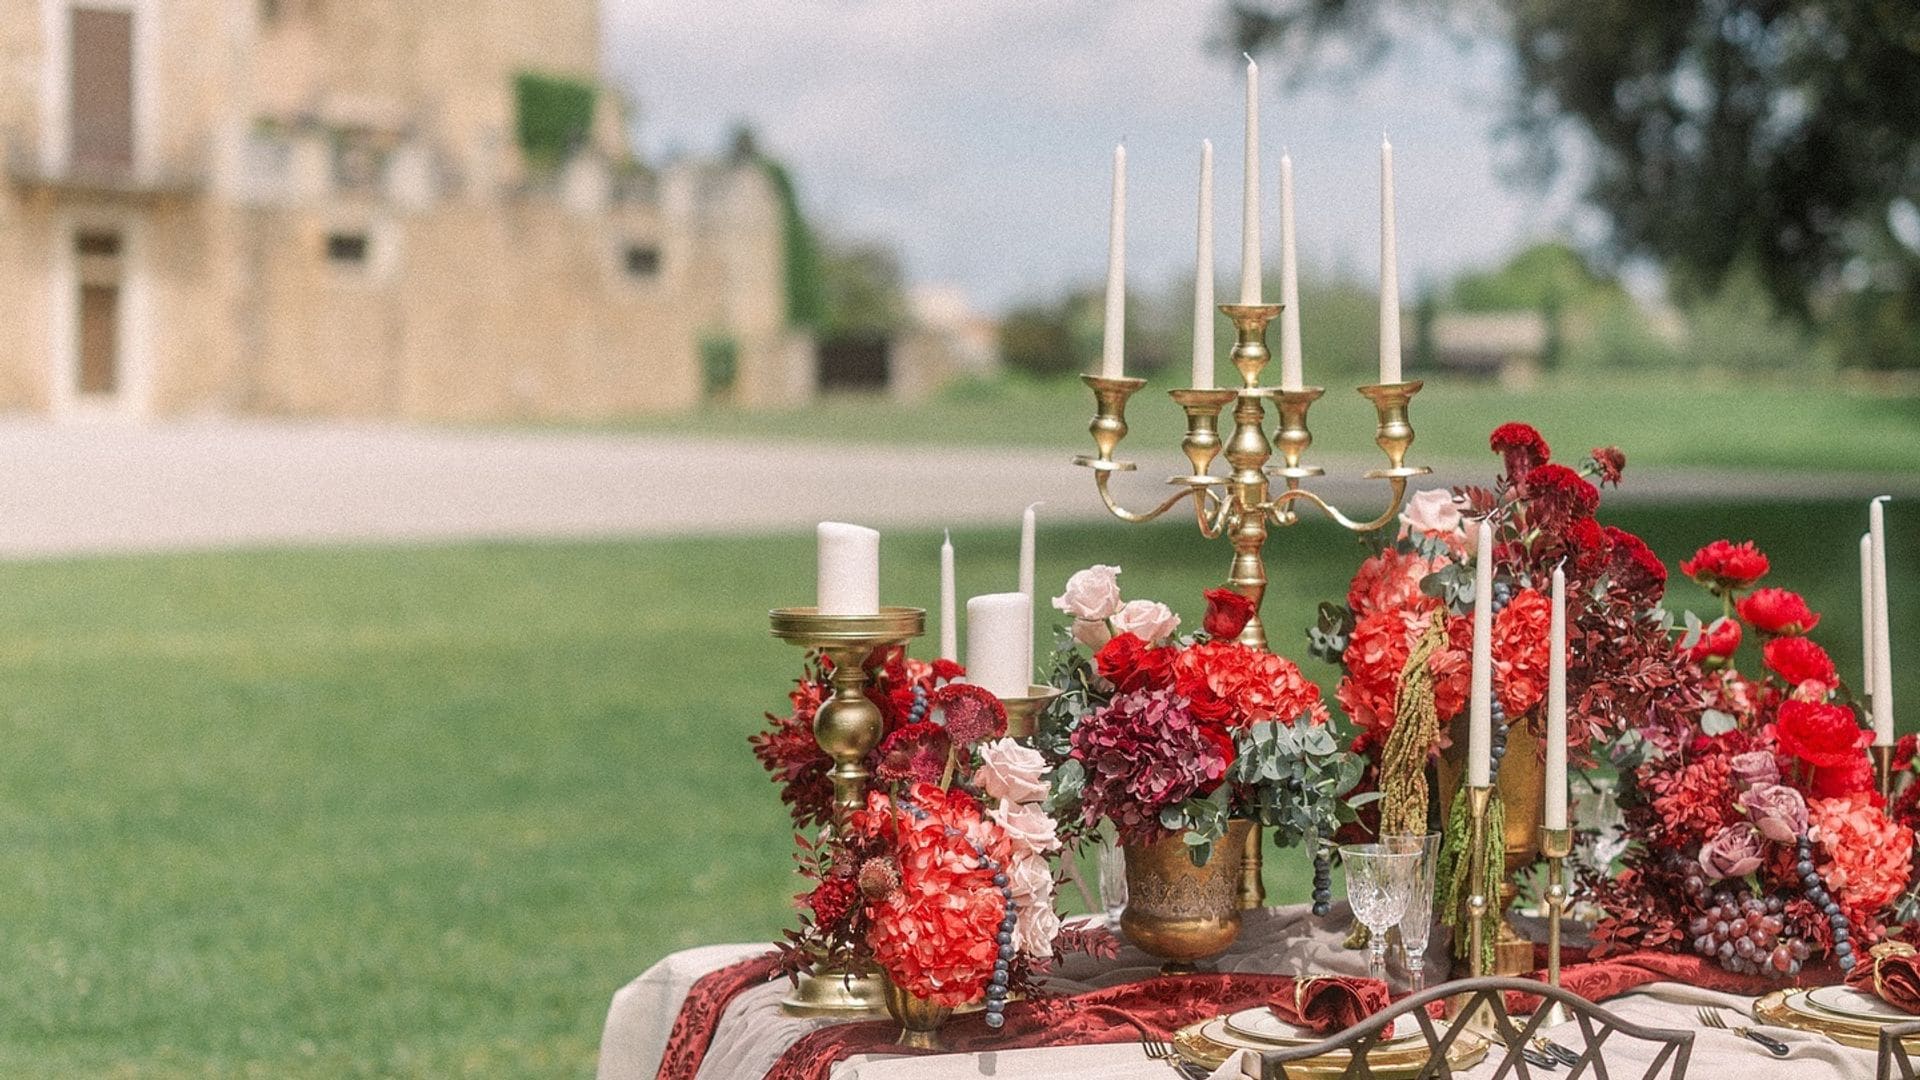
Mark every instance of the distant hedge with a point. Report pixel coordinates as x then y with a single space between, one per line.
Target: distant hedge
554 116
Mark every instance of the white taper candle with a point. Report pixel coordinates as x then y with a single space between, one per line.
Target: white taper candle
1026 574
848 572
1866 614
998 626
1554 815
1203 314
1250 194
1882 645
1389 273
949 625
1480 703
1290 374
1113 342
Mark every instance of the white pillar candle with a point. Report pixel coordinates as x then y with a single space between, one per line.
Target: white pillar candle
1554 816
1250 194
1026 576
1290 374
1866 614
1389 273
949 627
1480 714
1203 277
1114 341
1882 646
848 578
998 626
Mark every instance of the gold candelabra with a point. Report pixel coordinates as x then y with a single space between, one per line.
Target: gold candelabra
1556 845
848 726
1245 503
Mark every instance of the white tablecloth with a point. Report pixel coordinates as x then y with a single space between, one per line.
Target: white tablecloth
753 1033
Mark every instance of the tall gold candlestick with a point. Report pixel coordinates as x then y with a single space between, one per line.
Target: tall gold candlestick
1478 798
1556 845
1883 770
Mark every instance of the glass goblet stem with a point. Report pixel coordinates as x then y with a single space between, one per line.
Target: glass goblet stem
1377 953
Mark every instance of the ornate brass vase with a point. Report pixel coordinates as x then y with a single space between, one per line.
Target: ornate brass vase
920 1020
1180 912
1522 787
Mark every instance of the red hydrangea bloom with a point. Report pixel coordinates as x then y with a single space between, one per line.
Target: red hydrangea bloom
972 713
1777 611
1522 447
1722 566
1227 614
1867 858
1387 581
1143 751
1558 496
1823 735
1520 651
1376 655
915 753
1718 642
1693 802
1634 566
1610 462
1131 664
935 934
1798 660
1237 685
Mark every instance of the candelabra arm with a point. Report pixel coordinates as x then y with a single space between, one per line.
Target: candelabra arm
1280 509
1197 492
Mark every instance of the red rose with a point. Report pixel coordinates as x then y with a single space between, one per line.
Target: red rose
1798 659
1222 742
1522 447
1131 664
1610 462
1227 614
1822 735
1723 566
1560 496
1633 564
1777 611
1717 644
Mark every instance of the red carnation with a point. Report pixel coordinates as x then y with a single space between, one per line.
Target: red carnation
1560 496
1777 611
973 714
1610 462
915 752
831 900
1823 735
1227 614
1718 642
1798 659
1633 564
1723 567
1523 448
1131 664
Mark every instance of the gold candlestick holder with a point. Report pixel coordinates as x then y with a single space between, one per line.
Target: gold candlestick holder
847 726
1883 769
1254 494
1556 845
1480 1019
1023 713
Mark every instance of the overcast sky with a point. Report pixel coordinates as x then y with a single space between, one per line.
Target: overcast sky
976 137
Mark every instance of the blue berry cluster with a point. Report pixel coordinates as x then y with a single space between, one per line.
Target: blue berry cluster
1002 967
1502 596
1322 884
1829 907
920 705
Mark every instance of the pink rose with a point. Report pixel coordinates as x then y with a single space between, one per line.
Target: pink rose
1754 767
1433 512
1778 811
1148 620
1735 851
1011 772
1093 594
1093 633
1029 877
1034 928
1027 826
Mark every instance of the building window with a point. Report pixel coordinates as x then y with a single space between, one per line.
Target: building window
641 261
97 258
347 248
97 243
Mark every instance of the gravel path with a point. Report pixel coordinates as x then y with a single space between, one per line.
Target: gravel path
96 488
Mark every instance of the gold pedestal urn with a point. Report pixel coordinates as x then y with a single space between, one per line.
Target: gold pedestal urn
1180 912
847 726
920 1020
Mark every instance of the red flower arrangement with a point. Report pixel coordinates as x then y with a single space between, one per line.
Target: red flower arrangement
1799 660
1777 611
1724 566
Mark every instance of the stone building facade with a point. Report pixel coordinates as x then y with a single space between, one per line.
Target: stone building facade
321 207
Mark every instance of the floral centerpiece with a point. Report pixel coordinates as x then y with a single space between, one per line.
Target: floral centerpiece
1763 844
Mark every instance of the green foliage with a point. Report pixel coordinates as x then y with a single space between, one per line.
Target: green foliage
863 292
806 292
1535 279
1298 774
719 363
1739 328
1036 340
553 117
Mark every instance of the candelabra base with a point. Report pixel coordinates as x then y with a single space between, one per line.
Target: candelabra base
1023 713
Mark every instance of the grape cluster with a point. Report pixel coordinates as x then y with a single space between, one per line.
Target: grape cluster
1322 884
1502 596
1742 932
1828 906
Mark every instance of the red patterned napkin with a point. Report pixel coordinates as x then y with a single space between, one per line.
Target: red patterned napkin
1892 974
1326 1004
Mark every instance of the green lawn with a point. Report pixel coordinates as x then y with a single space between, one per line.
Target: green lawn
1690 421
357 813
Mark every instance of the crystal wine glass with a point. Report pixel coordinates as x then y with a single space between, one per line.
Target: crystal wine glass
1416 924
1113 876
1380 882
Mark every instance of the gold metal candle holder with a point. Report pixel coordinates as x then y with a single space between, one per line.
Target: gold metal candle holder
847 726
1883 770
1243 504
1023 713
1478 798
1556 845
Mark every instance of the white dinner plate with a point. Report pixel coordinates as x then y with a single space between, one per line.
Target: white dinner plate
1855 1005
1260 1025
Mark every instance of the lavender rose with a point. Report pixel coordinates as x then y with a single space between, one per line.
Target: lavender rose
1778 811
1754 767
1735 851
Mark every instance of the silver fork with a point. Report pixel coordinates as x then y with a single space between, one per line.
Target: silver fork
1158 1049
1711 1018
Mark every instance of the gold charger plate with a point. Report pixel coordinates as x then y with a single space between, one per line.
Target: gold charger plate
1198 1046
1860 1034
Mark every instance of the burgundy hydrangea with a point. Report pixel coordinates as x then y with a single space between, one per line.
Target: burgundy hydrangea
1143 751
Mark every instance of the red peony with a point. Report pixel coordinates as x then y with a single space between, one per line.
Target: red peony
1867 856
1723 567
1777 611
1520 652
1609 462
1143 752
1824 736
1387 581
1634 566
1237 685
1558 497
1522 447
1718 642
972 713
1377 654
1227 614
1798 660
1131 664
915 753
